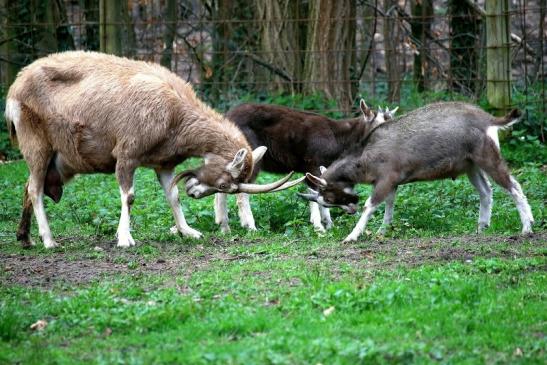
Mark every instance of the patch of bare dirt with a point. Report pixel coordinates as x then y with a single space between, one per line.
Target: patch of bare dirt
417 251
107 261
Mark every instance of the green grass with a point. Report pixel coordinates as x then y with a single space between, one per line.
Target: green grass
429 292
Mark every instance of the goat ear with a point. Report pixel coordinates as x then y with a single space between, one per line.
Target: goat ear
236 166
363 105
258 153
322 169
367 112
317 181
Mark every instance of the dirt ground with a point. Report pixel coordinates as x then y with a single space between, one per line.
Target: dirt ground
106 260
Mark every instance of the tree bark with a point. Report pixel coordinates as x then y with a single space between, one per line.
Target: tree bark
422 17
465 28
330 53
498 68
12 60
111 20
282 37
91 15
392 56
171 16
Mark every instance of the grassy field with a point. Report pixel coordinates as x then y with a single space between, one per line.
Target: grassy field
430 291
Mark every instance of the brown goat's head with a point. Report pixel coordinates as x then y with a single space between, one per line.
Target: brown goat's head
218 175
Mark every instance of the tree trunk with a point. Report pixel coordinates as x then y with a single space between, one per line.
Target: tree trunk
391 42
111 21
330 50
422 17
465 28
498 69
169 32
91 14
65 40
129 44
45 34
12 60
281 39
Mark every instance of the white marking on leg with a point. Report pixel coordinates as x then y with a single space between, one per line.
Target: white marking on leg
36 193
388 214
245 213
221 212
124 235
325 216
315 217
13 111
492 132
523 207
172 196
483 187
360 226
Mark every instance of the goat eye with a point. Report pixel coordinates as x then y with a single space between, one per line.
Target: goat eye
223 186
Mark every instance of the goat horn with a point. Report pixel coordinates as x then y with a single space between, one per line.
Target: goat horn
180 176
257 188
289 184
312 195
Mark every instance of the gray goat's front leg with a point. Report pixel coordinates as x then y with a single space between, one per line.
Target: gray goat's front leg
245 213
362 223
388 214
325 216
165 178
221 212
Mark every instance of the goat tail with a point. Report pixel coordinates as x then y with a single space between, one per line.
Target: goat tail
12 116
508 120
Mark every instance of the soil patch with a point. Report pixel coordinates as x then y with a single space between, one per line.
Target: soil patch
107 261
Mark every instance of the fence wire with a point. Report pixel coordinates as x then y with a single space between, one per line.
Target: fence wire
385 51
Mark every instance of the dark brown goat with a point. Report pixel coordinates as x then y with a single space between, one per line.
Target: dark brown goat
297 141
441 140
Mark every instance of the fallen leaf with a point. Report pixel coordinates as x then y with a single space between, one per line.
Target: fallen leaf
518 352
327 312
39 325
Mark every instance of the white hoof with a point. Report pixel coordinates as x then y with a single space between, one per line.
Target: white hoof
249 226
125 241
225 228
190 232
48 243
350 238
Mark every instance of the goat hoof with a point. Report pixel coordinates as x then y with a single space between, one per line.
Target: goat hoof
350 238
225 229
126 242
249 227
50 244
190 232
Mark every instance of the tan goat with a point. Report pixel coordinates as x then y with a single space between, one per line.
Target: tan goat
85 112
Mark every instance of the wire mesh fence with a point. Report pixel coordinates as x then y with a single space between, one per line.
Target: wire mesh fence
490 52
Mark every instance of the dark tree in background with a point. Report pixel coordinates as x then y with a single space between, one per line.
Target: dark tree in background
392 35
422 17
330 50
171 17
465 27
282 36
90 10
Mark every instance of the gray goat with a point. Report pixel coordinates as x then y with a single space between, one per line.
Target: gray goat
437 141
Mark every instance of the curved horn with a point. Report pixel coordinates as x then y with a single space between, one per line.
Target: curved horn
180 176
312 195
257 188
316 180
289 184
